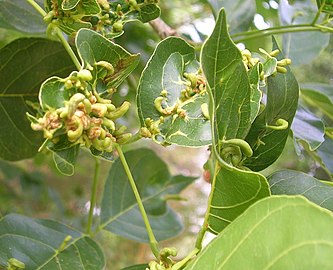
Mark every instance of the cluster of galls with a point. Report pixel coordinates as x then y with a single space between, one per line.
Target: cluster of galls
115 15
194 85
87 119
250 61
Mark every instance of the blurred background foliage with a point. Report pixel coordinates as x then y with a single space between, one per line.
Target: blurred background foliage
35 188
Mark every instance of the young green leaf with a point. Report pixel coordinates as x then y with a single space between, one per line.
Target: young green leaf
228 80
233 192
298 183
48 245
278 232
38 59
266 141
93 47
119 211
169 88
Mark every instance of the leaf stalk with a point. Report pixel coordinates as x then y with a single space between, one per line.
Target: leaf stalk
93 194
152 240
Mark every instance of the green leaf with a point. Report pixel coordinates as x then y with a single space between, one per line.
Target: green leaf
40 244
287 182
148 13
137 267
240 13
296 46
24 65
325 153
228 80
93 47
318 96
64 155
276 233
165 71
21 16
282 99
233 192
69 4
309 128
119 211
53 93
256 95
145 13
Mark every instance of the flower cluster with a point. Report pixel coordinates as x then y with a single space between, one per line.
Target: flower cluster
86 118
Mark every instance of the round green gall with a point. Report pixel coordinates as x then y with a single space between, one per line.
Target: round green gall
118 26
85 75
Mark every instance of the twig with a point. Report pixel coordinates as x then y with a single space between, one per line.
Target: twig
162 29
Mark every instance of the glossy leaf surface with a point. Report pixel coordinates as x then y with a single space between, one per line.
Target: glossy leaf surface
234 191
165 71
41 244
289 182
279 232
282 99
309 128
120 213
38 59
229 83
21 16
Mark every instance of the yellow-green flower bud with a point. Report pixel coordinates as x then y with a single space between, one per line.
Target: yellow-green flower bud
104 4
74 135
85 75
109 124
145 133
284 62
108 66
118 26
124 138
205 110
120 130
99 109
281 69
119 112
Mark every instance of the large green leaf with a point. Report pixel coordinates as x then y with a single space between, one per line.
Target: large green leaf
119 211
41 244
276 233
319 96
21 16
298 183
325 153
233 192
165 71
24 65
229 83
93 47
309 128
296 45
240 12
282 99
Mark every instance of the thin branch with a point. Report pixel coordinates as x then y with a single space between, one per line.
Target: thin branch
162 29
